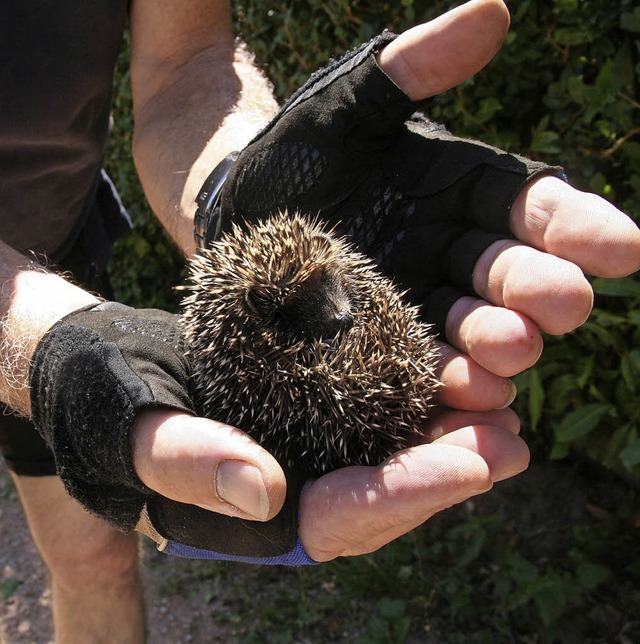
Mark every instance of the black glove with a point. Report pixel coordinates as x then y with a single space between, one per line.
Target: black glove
349 145
90 375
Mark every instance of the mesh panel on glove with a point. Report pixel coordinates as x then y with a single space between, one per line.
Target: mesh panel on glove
350 147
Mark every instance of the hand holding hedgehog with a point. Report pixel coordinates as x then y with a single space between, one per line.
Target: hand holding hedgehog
519 291
506 196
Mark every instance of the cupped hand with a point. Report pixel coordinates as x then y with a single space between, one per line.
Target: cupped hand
534 283
523 286
356 510
206 463
350 511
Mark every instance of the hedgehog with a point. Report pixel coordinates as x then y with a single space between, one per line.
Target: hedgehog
296 338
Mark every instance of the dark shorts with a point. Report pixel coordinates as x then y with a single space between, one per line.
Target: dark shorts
24 451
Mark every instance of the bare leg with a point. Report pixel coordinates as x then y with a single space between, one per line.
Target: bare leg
95 583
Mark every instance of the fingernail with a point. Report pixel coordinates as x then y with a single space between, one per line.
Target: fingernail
241 485
512 395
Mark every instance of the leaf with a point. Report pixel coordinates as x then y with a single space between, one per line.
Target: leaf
574 36
400 629
391 608
630 368
8 587
545 141
591 575
487 108
585 374
630 21
473 549
621 287
615 443
580 422
608 81
630 455
536 397
559 451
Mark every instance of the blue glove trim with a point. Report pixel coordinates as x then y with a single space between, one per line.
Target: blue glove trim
296 557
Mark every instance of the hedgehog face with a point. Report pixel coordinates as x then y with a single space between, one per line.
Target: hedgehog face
302 290
315 307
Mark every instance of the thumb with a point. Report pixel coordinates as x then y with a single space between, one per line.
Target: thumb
206 463
440 54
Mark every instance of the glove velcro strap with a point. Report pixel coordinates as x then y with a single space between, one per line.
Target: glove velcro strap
207 220
296 557
190 528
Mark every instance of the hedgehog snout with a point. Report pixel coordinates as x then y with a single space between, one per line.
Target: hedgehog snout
341 321
318 309
316 318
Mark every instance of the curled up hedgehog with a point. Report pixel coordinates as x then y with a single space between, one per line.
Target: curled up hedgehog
297 339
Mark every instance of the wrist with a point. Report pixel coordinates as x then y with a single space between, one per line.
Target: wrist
36 300
207 219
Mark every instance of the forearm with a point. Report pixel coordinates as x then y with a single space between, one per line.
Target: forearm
210 106
32 300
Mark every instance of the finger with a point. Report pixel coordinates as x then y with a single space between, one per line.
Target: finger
551 291
436 56
468 386
501 340
505 453
577 226
356 510
205 463
359 509
451 421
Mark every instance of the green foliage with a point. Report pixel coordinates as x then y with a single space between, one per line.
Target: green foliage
531 562
291 40
7 489
8 587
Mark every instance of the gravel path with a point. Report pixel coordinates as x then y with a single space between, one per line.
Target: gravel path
26 600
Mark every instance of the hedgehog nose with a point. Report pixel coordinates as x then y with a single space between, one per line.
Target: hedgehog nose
343 321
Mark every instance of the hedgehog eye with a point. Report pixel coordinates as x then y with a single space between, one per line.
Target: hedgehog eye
258 298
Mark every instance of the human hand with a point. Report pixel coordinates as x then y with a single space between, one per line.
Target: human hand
459 220
98 379
110 396
506 291
356 510
475 448
350 511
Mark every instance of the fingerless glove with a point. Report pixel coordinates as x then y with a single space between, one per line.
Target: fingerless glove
90 375
350 146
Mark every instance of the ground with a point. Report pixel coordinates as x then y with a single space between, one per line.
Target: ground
541 558
24 611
